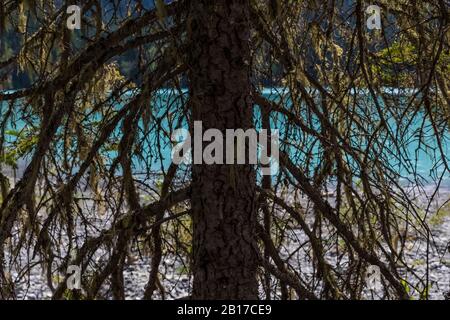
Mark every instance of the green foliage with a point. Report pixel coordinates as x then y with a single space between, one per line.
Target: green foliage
73 295
395 64
424 293
406 286
439 217
22 143
399 53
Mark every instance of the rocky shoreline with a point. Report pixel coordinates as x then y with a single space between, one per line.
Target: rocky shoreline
178 284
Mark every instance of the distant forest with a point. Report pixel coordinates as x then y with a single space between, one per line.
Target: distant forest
117 10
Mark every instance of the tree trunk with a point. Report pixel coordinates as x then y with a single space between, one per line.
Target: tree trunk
223 196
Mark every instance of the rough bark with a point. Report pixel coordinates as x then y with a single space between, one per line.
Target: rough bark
224 196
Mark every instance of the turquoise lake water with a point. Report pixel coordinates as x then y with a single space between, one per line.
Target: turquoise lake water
420 156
